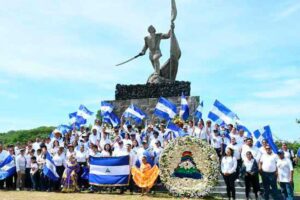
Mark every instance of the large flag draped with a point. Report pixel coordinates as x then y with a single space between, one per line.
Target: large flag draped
165 109
264 134
7 167
109 171
49 169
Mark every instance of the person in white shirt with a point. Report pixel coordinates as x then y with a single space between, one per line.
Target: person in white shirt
94 137
21 167
106 152
127 139
70 152
154 140
200 132
81 157
262 149
216 142
249 147
36 144
208 130
104 140
34 173
240 137
268 168
157 150
249 172
285 175
28 157
237 154
191 128
60 162
228 169
288 153
120 150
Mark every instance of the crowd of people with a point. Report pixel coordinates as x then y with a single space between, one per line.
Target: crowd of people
70 152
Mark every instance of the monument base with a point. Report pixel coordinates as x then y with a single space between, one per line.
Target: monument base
148 104
174 89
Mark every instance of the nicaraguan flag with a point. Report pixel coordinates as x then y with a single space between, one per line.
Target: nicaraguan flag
135 113
7 167
221 113
111 118
173 128
184 108
165 109
109 171
106 108
76 120
198 113
49 169
264 133
84 112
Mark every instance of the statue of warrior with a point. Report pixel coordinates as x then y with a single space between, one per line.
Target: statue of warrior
152 42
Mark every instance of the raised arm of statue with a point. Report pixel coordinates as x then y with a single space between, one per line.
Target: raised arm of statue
167 35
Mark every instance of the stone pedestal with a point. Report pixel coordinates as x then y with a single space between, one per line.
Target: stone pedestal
174 89
148 105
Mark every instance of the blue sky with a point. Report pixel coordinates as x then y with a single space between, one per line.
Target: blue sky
56 55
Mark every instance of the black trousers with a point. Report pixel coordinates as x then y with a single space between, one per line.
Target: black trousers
1 184
28 183
11 182
60 170
251 181
230 188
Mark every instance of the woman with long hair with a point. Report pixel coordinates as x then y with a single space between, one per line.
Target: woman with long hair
228 169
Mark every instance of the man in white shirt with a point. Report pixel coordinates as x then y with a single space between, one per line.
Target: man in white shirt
120 150
249 147
94 137
36 144
268 168
155 139
285 175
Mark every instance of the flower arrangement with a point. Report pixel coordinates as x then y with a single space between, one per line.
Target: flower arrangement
189 167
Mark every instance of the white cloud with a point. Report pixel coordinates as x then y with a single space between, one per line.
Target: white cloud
287 88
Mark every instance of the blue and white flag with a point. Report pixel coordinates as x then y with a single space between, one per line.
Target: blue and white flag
76 120
134 113
106 108
49 169
199 110
184 108
264 134
84 112
165 109
221 114
7 167
111 118
173 128
109 171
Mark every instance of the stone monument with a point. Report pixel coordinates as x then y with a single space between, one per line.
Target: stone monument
162 82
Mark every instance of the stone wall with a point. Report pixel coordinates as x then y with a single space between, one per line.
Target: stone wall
148 105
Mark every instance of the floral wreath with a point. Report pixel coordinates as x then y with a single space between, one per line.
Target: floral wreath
189 167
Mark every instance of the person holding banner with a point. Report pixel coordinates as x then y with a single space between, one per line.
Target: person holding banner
145 176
